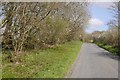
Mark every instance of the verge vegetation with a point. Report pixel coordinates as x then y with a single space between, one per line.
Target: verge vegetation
109 48
48 63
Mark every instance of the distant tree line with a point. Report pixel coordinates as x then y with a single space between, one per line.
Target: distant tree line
112 35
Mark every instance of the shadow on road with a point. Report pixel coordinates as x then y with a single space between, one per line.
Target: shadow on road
108 55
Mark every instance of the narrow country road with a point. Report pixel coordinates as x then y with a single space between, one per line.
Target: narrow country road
94 62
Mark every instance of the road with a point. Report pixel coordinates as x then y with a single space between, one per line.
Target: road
94 62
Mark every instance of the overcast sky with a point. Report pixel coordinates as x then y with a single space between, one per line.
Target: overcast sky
100 16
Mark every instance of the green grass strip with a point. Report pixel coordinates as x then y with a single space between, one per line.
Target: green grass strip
109 48
49 63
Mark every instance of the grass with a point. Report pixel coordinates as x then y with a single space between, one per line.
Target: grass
109 48
49 63
0 65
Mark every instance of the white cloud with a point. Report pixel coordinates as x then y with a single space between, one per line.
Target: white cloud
95 22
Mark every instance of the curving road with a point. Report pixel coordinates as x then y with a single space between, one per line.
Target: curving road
94 62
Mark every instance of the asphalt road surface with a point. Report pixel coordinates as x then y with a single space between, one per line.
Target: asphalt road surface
94 62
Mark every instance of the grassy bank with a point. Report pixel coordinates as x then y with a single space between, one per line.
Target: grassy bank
109 48
0 65
49 63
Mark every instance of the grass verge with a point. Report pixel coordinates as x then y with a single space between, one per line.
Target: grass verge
0 64
49 63
109 48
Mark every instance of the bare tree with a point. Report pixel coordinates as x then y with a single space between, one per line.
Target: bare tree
41 25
